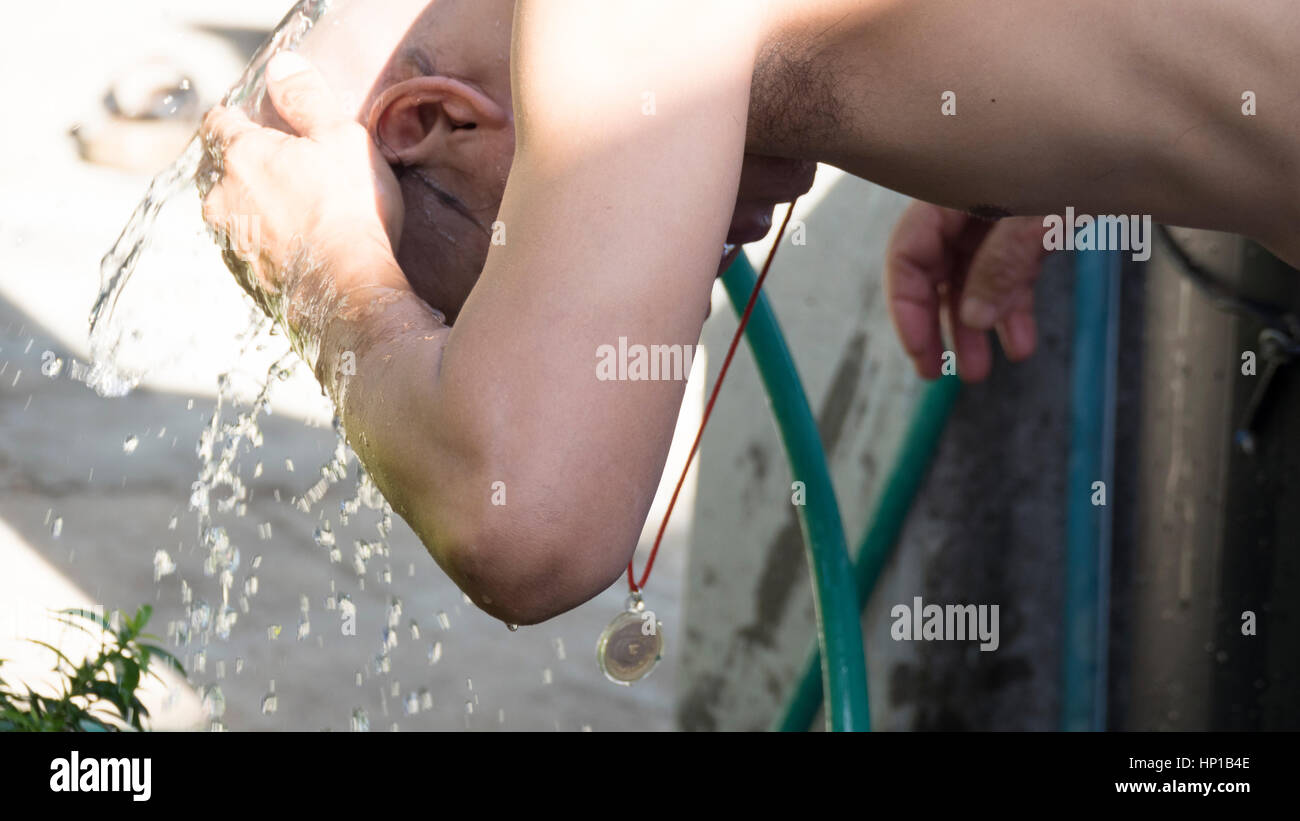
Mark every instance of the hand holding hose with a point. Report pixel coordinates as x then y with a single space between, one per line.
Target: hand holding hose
951 270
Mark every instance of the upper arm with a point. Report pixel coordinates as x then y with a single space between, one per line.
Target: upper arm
614 217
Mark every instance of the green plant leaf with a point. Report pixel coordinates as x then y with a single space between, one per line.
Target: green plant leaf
166 656
90 616
57 652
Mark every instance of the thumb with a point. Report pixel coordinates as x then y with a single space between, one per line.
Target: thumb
1002 271
301 96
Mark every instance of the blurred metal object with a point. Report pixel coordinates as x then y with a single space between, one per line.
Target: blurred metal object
148 115
632 645
152 91
1212 612
1276 349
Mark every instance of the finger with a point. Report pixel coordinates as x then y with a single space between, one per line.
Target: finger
1018 330
1003 268
223 126
301 96
919 258
974 354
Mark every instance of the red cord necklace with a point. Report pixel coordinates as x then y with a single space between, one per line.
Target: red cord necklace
633 643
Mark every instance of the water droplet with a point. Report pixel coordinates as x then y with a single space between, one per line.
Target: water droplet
200 616
547 677
412 703
273 632
360 721
269 703
443 620
323 535
513 628
214 701
56 529
435 652
51 365
132 442
226 618
162 565
250 586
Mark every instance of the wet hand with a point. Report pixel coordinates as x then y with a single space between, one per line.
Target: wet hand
314 208
949 270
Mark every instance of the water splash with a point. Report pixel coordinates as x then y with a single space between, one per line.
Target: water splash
230 440
105 375
163 565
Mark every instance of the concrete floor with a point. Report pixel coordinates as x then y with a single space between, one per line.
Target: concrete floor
62 455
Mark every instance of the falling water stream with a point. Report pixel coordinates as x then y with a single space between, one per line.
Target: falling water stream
105 375
233 430
229 456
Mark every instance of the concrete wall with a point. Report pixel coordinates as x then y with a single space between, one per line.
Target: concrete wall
988 528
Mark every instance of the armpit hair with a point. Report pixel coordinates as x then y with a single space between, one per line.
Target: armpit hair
989 213
792 100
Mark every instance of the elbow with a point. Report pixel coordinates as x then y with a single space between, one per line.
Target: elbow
523 567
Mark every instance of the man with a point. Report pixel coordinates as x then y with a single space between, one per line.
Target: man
628 130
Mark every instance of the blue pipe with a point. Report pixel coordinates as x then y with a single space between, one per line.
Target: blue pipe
1085 646
839 631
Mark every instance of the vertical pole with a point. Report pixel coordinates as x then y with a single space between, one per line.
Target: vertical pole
1088 518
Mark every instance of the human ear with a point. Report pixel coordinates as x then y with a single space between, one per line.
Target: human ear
418 119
